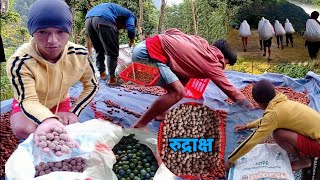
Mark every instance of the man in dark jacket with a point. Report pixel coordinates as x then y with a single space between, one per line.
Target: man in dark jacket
102 24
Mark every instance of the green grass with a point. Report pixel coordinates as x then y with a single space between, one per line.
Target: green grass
5 90
294 70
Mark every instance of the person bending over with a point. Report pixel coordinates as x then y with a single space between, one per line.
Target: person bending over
179 57
295 127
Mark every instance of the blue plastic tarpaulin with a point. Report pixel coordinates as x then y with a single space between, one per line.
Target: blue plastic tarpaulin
213 97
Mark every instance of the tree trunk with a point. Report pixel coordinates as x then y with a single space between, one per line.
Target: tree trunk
162 8
141 36
4 6
195 24
73 34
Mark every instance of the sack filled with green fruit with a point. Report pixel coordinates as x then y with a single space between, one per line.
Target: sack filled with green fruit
132 156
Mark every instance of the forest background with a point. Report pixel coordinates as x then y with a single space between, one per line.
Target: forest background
210 19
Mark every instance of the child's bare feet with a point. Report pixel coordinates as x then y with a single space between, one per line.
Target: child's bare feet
301 163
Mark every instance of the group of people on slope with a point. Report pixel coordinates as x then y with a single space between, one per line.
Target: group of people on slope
42 71
266 32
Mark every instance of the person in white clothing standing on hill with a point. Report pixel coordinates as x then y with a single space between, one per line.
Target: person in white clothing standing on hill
266 33
289 31
312 35
244 33
279 30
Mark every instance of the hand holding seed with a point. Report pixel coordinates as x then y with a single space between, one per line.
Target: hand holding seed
51 135
44 128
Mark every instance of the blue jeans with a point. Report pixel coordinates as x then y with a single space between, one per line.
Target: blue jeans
140 54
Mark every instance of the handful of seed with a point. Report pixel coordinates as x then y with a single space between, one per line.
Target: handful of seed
192 121
57 141
76 164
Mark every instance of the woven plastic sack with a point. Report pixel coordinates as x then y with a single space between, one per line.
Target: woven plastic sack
105 159
266 31
124 59
288 27
264 161
260 24
278 28
312 32
164 173
96 139
21 164
244 29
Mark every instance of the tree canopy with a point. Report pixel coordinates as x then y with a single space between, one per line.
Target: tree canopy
210 19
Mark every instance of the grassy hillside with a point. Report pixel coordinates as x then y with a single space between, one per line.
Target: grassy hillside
252 61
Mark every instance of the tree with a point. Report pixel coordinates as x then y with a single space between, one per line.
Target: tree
162 10
179 16
12 30
194 17
24 33
308 1
4 6
141 37
150 19
22 7
210 18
